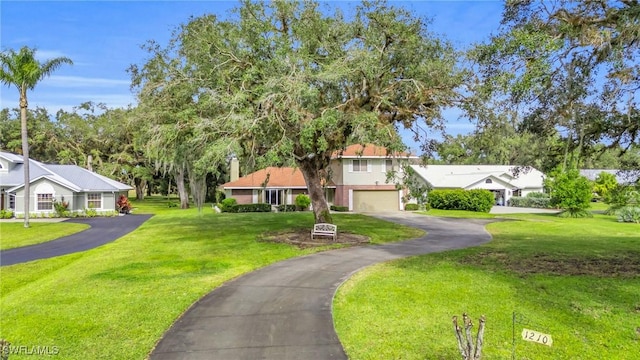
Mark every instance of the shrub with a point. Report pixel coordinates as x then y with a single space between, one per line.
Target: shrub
286 208
478 200
61 208
532 200
123 205
604 184
629 214
570 192
90 213
302 201
411 207
6 214
339 208
621 197
228 205
246 208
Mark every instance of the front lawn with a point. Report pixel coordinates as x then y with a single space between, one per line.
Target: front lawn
576 279
14 234
116 301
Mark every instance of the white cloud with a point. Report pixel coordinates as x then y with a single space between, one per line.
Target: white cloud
44 55
79 81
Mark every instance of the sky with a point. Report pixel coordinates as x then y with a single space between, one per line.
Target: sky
104 38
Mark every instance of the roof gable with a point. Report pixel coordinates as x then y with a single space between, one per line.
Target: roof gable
70 176
85 179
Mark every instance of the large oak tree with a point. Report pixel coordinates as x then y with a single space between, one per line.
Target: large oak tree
288 82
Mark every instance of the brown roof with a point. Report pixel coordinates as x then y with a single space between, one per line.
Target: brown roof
369 150
284 177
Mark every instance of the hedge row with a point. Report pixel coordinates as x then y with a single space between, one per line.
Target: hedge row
412 207
339 208
478 200
230 205
291 207
531 202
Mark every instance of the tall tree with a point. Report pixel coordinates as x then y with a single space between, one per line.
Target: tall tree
287 82
568 66
22 70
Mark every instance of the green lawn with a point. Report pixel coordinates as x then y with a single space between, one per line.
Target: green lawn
116 301
576 279
14 234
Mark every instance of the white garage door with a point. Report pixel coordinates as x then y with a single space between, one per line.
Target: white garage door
375 200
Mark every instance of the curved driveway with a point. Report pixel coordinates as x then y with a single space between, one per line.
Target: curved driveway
283 311
103 230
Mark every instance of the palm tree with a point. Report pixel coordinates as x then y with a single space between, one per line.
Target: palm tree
22 70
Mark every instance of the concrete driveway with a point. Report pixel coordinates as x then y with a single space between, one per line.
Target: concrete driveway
283 311
103 230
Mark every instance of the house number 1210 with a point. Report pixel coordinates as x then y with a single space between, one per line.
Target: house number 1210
534 336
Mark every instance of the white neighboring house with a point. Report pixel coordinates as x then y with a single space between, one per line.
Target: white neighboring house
504 181
79 187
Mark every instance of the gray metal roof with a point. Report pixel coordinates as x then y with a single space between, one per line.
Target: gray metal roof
12 157
87 180
70 176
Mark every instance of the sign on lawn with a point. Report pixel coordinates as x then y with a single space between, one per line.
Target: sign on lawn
534 336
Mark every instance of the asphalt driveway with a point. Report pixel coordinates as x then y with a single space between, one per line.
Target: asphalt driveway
103 230
283 311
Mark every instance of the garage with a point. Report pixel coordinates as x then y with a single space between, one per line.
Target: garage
375 200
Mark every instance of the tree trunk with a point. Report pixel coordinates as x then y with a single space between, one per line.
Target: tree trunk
140 184
25 153
182 190
316 191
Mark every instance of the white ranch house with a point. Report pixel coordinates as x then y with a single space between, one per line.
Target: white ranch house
81 188
504 181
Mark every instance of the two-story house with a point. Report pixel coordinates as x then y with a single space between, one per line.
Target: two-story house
357 180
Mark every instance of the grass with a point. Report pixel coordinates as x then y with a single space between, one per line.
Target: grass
14 234
116 301
576 279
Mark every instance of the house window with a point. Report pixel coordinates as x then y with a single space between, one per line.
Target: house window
517 192
45 202
94 201
360 165
488 181
387 165
272 196
12 202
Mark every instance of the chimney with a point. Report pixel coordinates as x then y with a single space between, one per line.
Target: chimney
235 170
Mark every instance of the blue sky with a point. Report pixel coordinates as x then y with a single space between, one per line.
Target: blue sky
103 39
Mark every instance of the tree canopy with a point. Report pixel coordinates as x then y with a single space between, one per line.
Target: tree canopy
288 82
568 68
